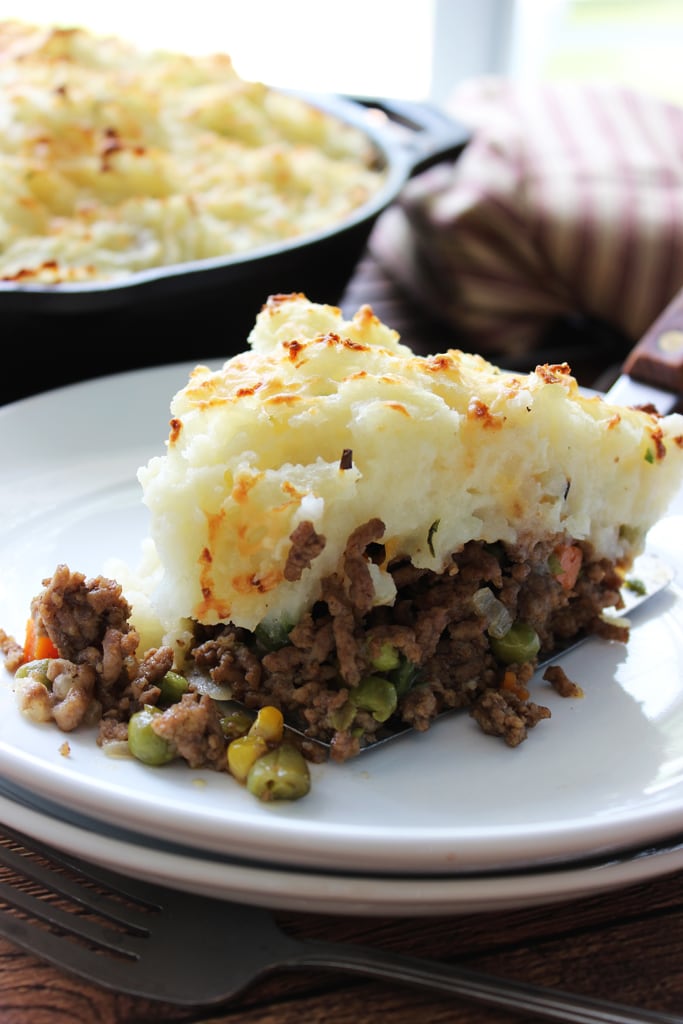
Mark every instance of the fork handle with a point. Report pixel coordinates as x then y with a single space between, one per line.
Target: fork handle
488 989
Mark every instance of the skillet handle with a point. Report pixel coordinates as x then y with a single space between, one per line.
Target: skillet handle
427 134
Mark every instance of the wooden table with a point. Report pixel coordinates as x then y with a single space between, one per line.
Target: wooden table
625 945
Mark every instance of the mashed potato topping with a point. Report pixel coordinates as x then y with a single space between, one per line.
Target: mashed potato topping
114 160
327 424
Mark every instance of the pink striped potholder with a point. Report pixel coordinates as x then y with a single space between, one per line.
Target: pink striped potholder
568 201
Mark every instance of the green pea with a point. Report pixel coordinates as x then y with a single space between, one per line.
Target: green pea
341 718
281 774
273 635
37 670
386 658
172 687
143 742
519 644
236 722
376 695
404 677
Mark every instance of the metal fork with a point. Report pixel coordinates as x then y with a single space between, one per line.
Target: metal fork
150 941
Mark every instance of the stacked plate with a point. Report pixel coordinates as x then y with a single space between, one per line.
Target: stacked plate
442 822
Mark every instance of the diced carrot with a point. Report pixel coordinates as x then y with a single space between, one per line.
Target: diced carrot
44 648
509 680
511 684
37 646
570 558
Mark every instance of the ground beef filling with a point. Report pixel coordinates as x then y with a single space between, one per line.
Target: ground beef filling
348 672
318 675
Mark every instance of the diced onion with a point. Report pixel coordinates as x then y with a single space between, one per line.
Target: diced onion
498 618
116 748
616 620
204 684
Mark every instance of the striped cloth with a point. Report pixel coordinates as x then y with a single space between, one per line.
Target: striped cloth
568 202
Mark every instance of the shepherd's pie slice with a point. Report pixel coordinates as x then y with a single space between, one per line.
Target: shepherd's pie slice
359 534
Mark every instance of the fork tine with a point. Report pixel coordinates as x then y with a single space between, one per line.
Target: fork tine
105 939
50 946
147 962
79 925
120 905
107 968
86 896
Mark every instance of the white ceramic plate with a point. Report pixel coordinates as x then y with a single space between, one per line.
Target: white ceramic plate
282 888
606 773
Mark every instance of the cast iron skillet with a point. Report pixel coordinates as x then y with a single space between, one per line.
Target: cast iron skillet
406 138
206 308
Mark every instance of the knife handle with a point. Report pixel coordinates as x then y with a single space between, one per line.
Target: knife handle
657 359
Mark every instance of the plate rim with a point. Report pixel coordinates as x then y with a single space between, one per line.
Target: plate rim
278 888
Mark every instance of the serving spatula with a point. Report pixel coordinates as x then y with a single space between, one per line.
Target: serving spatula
649 577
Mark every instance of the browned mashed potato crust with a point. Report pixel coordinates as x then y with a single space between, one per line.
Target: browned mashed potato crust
116 160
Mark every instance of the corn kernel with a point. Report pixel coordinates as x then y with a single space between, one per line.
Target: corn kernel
269 725
242 753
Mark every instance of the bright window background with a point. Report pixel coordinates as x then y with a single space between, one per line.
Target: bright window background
378 47
632 42
409 49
